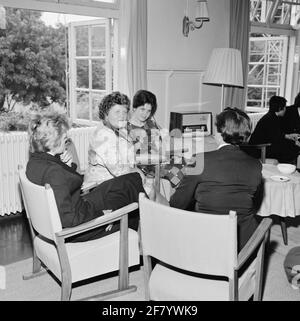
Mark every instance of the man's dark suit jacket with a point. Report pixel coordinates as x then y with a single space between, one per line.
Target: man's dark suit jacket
291 120
66 183
231 180
269 130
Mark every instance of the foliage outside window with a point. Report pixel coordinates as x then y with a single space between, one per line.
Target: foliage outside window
69 65
32 61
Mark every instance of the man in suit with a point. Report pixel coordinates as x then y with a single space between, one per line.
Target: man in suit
291 118
225 179
284 147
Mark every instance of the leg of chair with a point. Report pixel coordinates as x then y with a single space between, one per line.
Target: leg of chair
260 270
284 230
65 270
36 268
147 271
66 288
123 260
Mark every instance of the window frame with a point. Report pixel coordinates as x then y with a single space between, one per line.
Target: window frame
72 76
292 67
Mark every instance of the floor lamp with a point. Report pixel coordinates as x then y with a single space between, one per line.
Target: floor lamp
225 69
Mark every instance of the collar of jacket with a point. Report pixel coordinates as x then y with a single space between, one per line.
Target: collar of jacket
229 146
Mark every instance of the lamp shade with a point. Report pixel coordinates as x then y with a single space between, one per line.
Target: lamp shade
225 68
201 11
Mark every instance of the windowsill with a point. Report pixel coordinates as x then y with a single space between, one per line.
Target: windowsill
85 123
256 110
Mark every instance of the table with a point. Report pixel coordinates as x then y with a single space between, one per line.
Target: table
280 198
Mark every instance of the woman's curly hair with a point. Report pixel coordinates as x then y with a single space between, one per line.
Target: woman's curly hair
46 130
234 125
115 98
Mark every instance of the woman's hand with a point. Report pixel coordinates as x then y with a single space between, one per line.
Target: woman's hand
293 137
66 157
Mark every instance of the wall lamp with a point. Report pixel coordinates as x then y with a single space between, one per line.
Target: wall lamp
200 17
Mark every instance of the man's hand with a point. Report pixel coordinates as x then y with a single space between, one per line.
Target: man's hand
66 157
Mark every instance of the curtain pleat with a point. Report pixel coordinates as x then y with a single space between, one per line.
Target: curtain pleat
133 46
239 39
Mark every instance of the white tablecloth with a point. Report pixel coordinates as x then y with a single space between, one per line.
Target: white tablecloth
280 198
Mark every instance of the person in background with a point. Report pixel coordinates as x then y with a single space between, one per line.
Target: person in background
284 147
225 179
291 118
142 127
50 163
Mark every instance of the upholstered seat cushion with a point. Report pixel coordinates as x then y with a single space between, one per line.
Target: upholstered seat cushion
84 257
166 284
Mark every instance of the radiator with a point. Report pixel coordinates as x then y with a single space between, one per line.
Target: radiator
255 117
14 152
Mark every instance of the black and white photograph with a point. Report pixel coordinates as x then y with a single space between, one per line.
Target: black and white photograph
149 154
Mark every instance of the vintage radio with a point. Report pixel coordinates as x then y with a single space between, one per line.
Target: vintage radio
196 122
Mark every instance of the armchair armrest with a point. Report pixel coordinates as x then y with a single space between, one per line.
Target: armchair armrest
254 241
97 222
262 147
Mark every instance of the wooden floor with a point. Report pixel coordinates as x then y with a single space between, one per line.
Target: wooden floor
15 242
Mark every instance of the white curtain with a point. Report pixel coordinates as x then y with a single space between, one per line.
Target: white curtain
133 46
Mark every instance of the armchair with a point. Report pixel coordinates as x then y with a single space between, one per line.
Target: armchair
72 262
197 255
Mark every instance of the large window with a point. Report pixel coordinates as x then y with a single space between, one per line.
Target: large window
90 65
267 67
70 62
272 47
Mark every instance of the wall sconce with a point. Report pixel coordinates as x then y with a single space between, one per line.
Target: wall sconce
200 17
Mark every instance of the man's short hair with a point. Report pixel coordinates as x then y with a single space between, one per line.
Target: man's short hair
234 125
277 103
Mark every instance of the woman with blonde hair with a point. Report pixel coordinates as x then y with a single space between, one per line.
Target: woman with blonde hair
50 163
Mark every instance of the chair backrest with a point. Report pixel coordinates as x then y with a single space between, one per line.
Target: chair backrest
40 206
196 242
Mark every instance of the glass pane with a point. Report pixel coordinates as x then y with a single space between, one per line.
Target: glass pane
82 73
274 75
98 41
254 97
259 10
98 74
271 92
82 105
256 75
82 41
96 98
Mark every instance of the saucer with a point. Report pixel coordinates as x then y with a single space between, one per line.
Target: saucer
279 178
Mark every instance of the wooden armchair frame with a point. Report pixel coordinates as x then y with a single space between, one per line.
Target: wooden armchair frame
59 242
